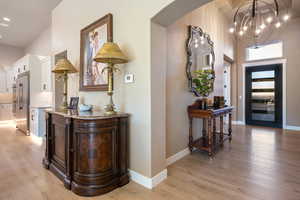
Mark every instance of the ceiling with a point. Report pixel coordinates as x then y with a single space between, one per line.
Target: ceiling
229 7
28 19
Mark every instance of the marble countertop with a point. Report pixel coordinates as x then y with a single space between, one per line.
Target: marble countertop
87 115
41 107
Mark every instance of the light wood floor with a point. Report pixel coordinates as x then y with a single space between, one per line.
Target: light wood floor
260 163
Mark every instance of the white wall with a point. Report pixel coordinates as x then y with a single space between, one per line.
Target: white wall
9 54
213 22
158 97
41 45
132 31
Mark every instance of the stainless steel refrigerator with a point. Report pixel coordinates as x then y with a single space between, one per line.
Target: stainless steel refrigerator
22 102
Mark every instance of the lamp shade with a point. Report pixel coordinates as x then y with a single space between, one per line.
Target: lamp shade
110 53
64 65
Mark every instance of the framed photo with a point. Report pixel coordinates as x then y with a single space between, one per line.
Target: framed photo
74 103
92 39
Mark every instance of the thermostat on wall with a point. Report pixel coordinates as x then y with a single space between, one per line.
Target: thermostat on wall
129 78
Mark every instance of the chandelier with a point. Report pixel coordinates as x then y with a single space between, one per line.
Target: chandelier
255 18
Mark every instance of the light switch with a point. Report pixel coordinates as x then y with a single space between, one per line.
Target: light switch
129 78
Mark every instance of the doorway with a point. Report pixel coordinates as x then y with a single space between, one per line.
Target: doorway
227 80
264 95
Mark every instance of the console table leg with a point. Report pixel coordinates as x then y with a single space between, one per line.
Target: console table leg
209 137
230 127
204 129
221 130
214 130
191 139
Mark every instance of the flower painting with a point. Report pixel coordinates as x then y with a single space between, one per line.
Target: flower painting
92 39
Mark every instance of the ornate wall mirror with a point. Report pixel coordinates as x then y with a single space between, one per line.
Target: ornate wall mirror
200 62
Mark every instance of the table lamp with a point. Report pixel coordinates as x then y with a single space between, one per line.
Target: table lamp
64 67
111 54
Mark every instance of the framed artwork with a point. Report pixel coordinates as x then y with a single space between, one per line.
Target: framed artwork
92 39
74 103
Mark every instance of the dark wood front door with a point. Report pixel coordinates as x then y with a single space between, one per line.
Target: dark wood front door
264 95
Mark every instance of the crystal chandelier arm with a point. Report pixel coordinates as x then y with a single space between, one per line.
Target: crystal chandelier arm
245 21
242 5
276 7
253 8
272 7
236 13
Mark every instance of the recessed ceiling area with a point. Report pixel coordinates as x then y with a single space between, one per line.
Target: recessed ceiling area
25 20
229 7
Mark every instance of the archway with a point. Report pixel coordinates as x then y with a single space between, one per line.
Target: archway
159 22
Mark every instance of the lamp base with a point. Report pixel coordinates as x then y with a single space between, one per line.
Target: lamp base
64 106
110 109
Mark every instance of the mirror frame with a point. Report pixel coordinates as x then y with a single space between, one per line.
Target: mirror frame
193 31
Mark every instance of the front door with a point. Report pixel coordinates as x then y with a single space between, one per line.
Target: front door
264 95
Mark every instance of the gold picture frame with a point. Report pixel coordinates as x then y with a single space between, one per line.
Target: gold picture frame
92 38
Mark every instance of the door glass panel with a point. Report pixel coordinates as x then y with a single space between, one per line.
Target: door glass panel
263 84
263 96
263 74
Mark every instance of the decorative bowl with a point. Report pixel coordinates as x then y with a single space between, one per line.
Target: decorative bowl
83 107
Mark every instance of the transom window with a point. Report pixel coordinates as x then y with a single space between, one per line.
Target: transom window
266 51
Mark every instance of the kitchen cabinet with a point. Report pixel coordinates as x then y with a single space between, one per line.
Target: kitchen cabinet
9 80
40 73
22 65
38 121
6 80
39 68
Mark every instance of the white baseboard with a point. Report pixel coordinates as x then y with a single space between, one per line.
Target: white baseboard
178 156
157 179
238 123
148 182
140 179
293 128
287 127
296 128
8 123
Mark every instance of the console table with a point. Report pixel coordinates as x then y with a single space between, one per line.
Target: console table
210 139
88 151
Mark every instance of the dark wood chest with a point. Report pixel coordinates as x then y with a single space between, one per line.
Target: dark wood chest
89 154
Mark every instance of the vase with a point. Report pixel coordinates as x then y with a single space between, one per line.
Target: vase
204 103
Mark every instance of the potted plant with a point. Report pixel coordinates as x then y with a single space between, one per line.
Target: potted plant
204 82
